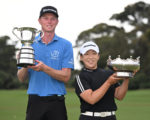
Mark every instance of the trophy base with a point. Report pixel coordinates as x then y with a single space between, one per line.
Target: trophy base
24 64
124 74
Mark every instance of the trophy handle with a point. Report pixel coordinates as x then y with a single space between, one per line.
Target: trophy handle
13 31
39 31
42 34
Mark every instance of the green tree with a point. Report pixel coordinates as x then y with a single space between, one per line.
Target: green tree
137 15
115 41
7 65
112 41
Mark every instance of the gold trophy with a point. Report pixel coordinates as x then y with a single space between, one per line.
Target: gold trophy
27 36
124 67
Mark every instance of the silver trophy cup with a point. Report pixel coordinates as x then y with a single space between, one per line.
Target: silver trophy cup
124 67
27 36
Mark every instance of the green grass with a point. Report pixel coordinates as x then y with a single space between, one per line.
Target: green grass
135 106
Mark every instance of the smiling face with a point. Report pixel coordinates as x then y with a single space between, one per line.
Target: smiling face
48 21
90 59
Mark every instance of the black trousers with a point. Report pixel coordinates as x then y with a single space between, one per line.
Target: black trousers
83 117
46 108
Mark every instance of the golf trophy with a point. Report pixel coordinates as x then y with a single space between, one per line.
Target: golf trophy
124 68
27 36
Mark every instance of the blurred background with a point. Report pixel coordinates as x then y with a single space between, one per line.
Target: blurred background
120 27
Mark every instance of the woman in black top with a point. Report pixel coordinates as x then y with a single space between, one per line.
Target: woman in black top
97 88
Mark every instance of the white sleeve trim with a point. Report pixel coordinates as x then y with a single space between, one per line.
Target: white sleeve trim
79 83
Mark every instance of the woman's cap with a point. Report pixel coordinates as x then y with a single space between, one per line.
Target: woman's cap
89 46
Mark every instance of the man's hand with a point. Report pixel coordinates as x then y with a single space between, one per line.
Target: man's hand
39 67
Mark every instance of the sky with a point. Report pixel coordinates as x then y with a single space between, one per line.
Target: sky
75 16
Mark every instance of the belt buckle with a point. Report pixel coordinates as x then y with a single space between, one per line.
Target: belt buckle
103 114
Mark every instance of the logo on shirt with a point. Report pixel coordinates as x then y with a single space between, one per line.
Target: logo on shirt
71 61
54 54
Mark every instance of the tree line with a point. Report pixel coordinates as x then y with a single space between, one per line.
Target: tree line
111 39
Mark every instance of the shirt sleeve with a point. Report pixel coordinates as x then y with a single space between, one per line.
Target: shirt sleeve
81 85
117 85
68 59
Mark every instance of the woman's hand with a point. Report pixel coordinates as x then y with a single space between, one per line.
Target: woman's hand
113 79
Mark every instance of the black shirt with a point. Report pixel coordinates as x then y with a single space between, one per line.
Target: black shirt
93 79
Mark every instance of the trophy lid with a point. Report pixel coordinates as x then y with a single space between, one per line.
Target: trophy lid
124 64
118 60
132 61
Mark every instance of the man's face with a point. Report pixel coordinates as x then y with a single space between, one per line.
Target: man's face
48 21
90 59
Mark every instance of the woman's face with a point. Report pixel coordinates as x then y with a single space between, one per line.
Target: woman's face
90 59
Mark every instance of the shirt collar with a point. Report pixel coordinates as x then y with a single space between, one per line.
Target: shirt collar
89 70
38 39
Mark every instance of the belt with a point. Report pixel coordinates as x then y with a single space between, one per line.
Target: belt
46 98
98 114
